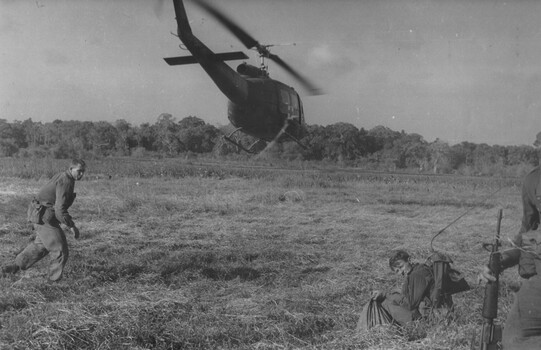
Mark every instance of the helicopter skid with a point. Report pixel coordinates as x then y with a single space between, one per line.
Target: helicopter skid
293 138
229 139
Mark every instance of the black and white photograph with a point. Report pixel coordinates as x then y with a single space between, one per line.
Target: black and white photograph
286 174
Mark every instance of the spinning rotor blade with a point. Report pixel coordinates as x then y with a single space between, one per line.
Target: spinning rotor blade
240 33
312 89
250 42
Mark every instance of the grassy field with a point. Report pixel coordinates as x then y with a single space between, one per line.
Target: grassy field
185 255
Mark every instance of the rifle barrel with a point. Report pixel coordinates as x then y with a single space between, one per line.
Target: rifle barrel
490 334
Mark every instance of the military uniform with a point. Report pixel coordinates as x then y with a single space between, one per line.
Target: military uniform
56 196
522 329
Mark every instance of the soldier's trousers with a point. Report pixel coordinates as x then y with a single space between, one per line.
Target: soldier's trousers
50 240
522 329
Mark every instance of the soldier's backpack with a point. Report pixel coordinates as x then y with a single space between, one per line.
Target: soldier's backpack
447 280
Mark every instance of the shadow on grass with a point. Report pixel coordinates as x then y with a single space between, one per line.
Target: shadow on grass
12 303
243 273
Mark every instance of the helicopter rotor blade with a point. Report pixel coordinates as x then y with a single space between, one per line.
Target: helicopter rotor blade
240 33
310 87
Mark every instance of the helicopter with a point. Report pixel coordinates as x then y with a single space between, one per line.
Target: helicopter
258 106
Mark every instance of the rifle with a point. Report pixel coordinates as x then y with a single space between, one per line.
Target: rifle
492 333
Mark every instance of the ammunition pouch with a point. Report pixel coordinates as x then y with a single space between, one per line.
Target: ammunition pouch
530 249
35 212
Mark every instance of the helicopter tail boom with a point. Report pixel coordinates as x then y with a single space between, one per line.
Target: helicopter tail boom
227 79
182 18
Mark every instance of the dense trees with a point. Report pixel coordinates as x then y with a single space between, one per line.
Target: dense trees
341 143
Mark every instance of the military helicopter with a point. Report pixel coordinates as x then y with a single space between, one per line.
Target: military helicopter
258 105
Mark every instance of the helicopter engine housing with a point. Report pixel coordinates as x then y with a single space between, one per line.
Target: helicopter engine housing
251 71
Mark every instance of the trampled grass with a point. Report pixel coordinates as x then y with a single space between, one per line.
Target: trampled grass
209 257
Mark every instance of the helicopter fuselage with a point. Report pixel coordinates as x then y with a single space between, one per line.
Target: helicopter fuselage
268 106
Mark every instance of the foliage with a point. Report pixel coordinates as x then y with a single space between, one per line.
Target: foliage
341 143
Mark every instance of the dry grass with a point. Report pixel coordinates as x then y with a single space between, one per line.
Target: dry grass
262 260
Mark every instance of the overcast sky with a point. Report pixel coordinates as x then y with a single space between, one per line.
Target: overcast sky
454 70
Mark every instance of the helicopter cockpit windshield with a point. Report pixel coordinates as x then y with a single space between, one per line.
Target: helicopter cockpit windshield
289 104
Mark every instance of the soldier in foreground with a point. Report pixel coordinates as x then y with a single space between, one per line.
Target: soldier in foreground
522 328
47 212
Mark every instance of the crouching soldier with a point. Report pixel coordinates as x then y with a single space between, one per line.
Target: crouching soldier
427 287
47 211
400 307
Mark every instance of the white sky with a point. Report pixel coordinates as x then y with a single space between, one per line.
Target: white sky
455 70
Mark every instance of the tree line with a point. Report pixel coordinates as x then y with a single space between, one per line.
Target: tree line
379 148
